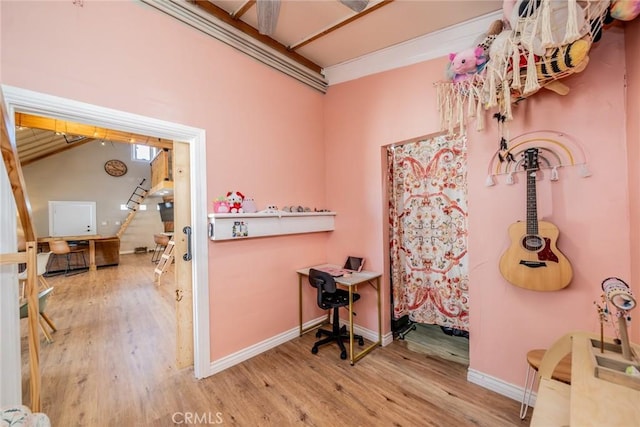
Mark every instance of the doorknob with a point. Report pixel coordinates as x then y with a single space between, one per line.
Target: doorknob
187 231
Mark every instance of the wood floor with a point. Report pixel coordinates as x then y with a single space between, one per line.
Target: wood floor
112 364
430 339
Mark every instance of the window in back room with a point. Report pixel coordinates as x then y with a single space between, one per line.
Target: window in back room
143 153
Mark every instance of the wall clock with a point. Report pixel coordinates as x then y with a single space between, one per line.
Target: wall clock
115 167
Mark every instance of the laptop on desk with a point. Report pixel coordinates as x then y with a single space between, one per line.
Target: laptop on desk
351 265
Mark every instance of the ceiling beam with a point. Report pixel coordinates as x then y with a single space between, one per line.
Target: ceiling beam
247 29
27 159
90 131
340 24
245 7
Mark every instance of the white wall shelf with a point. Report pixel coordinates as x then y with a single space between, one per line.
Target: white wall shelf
227 226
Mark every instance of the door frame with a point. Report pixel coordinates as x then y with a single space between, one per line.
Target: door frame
36 103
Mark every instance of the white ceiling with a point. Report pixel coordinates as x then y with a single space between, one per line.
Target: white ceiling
390 24
324 42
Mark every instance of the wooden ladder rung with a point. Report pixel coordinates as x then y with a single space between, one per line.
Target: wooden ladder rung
165 261
132 213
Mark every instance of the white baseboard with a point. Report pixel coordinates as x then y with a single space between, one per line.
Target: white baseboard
499 386
371 335
247 353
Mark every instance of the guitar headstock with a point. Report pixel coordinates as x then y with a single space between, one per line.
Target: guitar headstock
531 159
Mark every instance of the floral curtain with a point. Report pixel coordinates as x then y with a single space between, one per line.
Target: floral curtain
428 231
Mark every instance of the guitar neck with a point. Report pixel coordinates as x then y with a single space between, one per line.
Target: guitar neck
532 206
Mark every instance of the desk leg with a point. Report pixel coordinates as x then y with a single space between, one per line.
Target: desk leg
304 330
351 325
92 255
379 311
300 300
360 355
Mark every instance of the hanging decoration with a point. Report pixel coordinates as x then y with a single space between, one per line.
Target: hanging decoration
534 46
556 150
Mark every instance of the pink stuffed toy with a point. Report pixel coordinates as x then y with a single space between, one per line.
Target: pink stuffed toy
466 63
235 199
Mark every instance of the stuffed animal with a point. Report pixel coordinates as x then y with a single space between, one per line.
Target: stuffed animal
487 39
563 58
531 28
466 63
235 199
221 206
249 205
625 10
271 209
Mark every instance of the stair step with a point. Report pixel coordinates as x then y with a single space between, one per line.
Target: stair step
136 198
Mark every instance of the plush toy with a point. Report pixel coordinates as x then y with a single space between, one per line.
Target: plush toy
536 35
625 10
271 209
235 199
487 39
466 63
249 205
221 207
507 10
563 58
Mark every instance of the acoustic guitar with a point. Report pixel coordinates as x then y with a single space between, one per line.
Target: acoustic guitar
533 261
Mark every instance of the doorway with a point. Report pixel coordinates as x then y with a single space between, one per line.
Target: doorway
193 139
427 191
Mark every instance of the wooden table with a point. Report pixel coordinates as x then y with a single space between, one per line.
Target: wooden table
92 244
589 400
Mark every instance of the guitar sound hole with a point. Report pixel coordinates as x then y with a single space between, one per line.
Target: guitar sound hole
533 243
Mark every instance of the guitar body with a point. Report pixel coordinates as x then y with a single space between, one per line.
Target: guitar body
534 261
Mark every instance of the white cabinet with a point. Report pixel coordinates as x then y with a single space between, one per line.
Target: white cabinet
241 226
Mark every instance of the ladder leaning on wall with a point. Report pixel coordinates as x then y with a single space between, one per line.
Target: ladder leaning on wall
136 198
165 261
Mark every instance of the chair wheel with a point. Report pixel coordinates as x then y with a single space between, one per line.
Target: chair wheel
343 355
314 350
361 341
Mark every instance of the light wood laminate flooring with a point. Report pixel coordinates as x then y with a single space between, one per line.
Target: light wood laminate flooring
430 339
112 363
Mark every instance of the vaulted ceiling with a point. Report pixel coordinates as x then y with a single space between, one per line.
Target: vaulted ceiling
40 137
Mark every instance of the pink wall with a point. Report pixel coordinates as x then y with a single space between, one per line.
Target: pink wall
592 214
264 132
632 42
283 143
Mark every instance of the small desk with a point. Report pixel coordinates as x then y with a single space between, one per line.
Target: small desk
350 282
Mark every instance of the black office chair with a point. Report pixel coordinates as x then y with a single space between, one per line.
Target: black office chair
330 297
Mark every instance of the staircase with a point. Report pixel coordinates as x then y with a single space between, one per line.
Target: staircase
133 204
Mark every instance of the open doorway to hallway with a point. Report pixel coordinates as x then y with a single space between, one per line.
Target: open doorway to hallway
195 297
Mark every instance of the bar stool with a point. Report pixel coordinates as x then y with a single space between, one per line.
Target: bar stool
162 240
62 248
561 373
